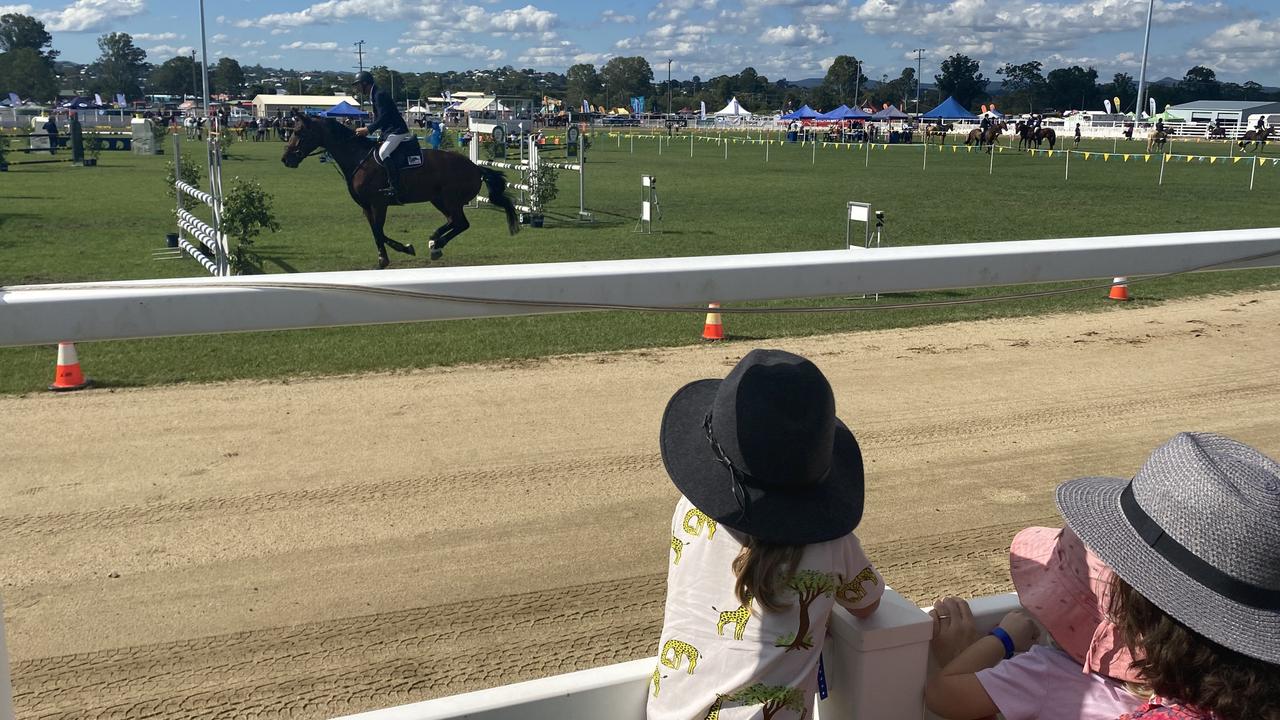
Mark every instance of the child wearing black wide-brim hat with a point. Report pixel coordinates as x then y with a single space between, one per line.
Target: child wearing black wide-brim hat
762 544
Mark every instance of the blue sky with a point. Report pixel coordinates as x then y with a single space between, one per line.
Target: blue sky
780 38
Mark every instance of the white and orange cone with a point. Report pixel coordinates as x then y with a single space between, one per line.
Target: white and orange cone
713 329
68 376
1119 289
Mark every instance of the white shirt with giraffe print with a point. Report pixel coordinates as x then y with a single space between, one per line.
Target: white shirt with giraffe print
721 660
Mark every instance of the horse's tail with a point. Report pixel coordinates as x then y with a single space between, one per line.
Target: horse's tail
497 184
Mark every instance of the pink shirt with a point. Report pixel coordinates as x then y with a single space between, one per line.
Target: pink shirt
1046 684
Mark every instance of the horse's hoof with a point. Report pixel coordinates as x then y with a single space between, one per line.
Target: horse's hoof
436 254
383 263
408 250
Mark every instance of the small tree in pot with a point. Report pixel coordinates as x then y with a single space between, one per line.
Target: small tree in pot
246 212
543 183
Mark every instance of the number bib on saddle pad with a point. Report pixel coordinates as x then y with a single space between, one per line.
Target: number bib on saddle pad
407 155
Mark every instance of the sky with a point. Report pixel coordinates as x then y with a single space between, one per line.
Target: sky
792 39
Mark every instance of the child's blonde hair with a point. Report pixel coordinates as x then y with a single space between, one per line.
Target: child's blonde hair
763 571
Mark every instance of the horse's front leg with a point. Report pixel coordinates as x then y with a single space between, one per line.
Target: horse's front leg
377 217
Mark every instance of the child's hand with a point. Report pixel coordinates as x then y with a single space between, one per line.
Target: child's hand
1022 629
953 629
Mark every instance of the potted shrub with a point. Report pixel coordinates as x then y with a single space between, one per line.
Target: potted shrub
92 150
544 190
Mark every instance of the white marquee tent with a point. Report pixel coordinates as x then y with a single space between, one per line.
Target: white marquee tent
733 109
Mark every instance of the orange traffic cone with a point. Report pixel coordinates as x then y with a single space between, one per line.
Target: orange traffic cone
1119 289
68 375
714 328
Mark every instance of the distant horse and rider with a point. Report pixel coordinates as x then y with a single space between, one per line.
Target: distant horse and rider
939 132
1256 137
1157 139
445 179
1029 134
987 137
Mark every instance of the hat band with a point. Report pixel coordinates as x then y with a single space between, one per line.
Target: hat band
1194 567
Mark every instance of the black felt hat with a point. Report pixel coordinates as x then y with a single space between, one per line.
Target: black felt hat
763 452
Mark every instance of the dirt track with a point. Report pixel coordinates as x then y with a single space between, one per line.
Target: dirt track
328 546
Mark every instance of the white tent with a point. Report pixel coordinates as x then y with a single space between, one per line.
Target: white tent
733 109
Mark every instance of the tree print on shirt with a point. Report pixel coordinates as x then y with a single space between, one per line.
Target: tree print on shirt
773 697
809 585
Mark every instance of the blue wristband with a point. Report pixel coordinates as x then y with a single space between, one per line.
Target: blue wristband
1005 640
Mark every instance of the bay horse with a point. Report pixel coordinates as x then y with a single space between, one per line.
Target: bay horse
446 180
1258 138
979 137
1026 134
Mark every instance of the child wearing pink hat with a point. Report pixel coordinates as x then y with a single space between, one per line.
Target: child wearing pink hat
1086 673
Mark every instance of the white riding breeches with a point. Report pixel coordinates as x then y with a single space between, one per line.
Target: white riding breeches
390 143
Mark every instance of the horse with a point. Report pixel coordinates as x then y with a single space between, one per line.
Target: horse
446 180
1216 132
1045 134
1157 139
938 131
979 137
1026 134
1258 138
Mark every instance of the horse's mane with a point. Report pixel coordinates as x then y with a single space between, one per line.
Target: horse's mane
341 133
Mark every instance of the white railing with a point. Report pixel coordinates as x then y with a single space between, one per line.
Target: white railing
44 314
875 669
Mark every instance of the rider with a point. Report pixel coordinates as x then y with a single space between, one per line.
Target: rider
388 121
1160 125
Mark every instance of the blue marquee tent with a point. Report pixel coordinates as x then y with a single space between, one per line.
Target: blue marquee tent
844 112
950 110
804 113
345 109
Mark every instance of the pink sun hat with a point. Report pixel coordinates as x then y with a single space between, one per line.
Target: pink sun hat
1066 588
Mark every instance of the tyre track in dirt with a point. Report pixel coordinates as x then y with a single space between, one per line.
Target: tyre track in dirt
362 662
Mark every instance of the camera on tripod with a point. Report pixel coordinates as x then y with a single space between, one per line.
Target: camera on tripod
879 217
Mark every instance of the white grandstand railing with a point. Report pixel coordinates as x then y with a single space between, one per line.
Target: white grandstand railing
45 314
875 669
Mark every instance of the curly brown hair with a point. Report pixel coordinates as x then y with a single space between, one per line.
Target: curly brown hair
763 570
1180 664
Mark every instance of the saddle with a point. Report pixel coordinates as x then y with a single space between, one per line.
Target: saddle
407 155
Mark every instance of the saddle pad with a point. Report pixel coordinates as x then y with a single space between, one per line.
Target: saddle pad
407 155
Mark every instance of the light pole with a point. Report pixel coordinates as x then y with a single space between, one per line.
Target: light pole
1142 76
204 62
919 66
857 81
668 86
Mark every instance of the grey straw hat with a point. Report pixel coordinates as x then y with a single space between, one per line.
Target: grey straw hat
1196 532
763 452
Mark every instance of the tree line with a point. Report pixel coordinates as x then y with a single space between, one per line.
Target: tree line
30 68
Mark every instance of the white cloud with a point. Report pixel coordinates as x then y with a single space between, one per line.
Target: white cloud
88 15
300 45
164 36
610 16
1249 48
469 51
523 20
219 38
169 50
795 35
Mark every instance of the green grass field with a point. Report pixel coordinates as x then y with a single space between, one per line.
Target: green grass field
59 223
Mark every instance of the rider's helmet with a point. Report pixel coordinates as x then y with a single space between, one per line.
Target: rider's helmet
363 78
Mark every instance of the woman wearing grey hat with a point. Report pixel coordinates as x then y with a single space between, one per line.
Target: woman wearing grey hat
1194 540
761 541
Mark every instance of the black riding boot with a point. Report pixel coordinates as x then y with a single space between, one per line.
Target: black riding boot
392 189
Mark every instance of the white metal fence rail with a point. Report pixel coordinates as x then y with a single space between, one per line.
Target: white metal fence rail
44 314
